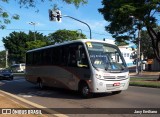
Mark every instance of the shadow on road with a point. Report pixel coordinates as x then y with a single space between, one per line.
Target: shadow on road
25 89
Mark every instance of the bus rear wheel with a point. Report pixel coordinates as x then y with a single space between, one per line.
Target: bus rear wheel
85 91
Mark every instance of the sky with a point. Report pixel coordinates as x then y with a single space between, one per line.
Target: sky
87 13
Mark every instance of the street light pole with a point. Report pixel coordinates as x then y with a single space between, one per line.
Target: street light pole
139 50
80 32
138 62
34 24
81 22
6 58
57 14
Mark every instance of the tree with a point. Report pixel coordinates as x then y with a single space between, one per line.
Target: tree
143 13
121 43
6 17
146 46
2 59
17 43
35 44
65 35
40 41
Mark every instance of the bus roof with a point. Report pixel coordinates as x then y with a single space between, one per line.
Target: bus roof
69 42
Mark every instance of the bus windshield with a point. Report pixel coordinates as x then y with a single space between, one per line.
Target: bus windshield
105 56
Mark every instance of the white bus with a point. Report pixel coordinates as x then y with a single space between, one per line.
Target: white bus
18 67
88 66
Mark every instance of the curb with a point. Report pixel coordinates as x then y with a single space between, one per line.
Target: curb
34 104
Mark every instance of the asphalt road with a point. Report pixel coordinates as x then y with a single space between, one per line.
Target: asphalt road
134 97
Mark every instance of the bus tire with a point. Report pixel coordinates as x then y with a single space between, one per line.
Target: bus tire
116 92
40 84
85 91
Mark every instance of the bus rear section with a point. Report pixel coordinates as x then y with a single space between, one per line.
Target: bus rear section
87 66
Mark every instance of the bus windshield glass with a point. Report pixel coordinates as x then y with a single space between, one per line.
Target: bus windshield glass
105 56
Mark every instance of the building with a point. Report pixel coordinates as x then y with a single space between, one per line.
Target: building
127 53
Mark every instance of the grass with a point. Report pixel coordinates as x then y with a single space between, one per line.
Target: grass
145 82
18 74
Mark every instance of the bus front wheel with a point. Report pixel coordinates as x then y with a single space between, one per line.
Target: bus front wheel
85 90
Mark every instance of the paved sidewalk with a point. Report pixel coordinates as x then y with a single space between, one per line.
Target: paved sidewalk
10 101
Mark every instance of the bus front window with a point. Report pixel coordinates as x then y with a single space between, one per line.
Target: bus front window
105 56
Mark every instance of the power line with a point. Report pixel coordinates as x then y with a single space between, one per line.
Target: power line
97 33
93 32
28 30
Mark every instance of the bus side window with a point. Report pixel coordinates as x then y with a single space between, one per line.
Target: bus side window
72 56
82 60
29 57
65 52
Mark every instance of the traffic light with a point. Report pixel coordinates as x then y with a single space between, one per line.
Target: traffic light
50 15
55 15
58 15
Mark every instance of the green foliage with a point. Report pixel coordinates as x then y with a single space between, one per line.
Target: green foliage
147 83
35 44
146 45
126 16
118 13
76 2
33 3
5 17
2 59
17 43
123 43
65 35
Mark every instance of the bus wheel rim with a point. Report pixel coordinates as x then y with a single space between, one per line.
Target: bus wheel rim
85 90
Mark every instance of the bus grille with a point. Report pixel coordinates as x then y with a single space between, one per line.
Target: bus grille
109 77
114 77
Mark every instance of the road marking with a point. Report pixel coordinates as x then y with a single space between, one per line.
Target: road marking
26 96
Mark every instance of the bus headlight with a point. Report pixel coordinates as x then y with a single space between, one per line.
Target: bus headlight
98 76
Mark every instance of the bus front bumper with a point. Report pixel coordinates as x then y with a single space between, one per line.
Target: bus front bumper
103 86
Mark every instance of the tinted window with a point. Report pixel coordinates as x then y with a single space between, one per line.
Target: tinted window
65 55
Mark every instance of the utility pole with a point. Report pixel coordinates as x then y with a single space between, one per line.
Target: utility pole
139 50
6 58
80 32
34 24
138 62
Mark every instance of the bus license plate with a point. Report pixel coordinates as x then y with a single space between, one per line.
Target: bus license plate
116 84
